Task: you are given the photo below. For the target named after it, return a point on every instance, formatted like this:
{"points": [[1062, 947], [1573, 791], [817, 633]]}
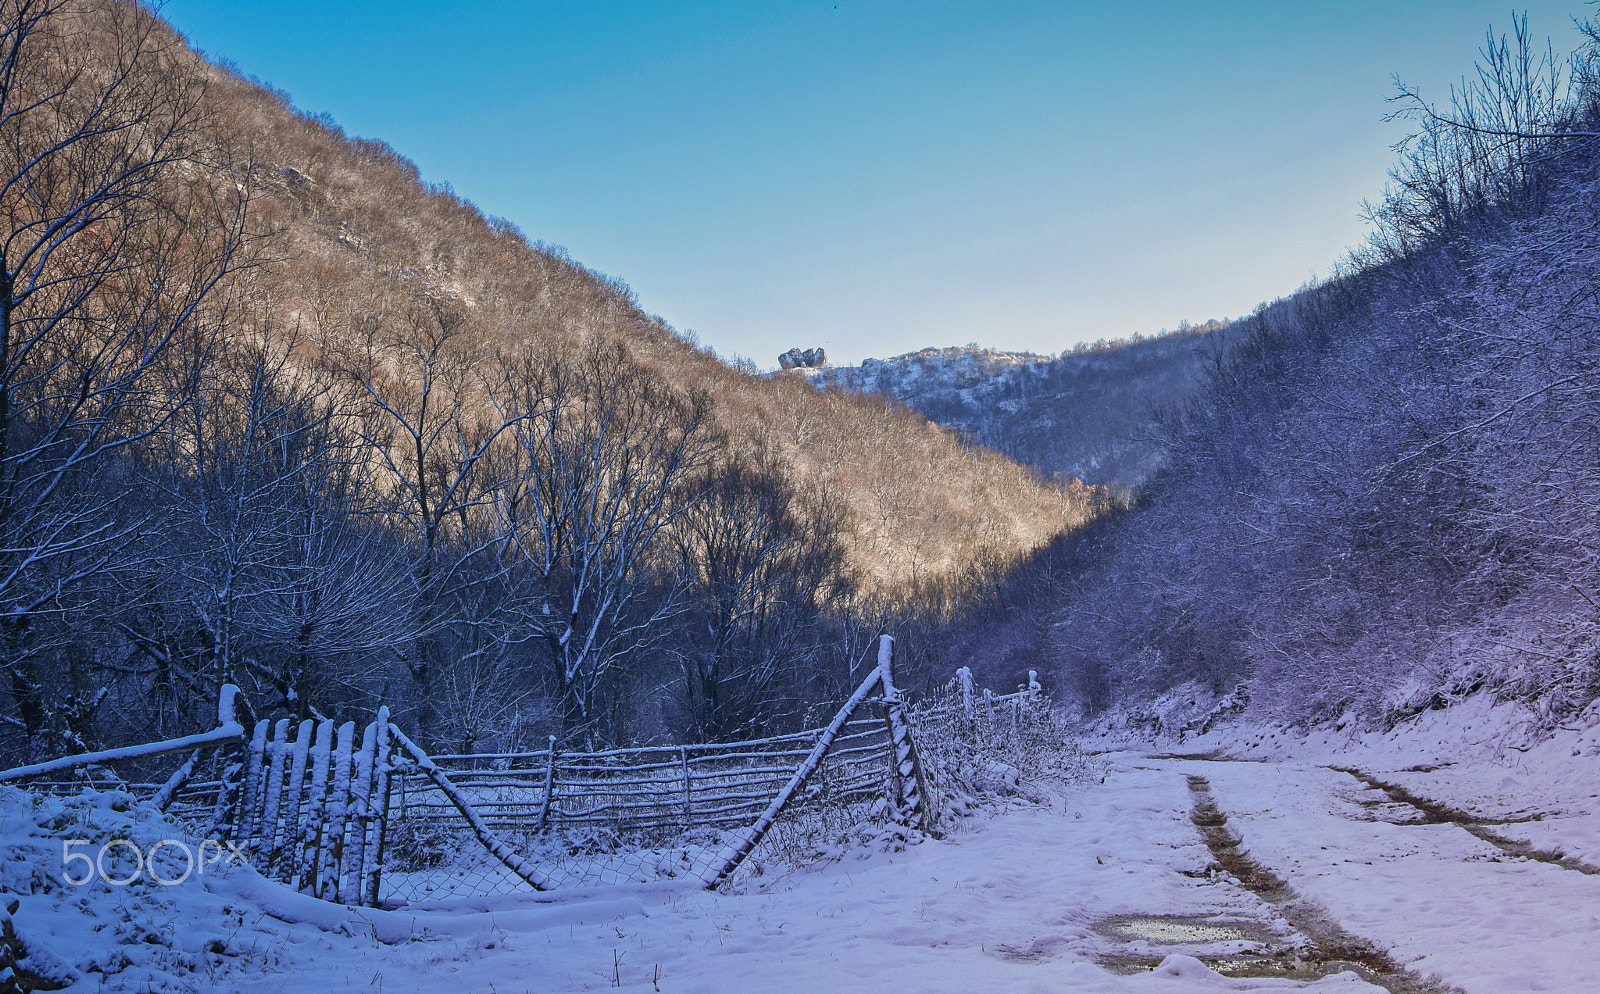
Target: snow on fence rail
{"points": [[640, 814], [227, 732], [374, 820]]}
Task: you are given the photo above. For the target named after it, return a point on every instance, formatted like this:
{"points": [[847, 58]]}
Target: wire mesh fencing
{"points": [[977, 744], [623, 815], [677, 812]]}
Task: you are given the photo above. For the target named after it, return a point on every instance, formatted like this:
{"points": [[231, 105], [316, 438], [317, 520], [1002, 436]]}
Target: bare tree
{"points": [[436, 432], [108, 254], [1491, 147], [765, 568], [605, 448]]}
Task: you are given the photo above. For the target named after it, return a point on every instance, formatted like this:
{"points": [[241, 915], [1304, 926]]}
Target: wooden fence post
{"points": [[293, 797], [311, 820], [907, 786], [382, 784], [277, 760], [247, 825], [330, 854], [549, 786], [688, 790], [348, 880], [964, 678]]}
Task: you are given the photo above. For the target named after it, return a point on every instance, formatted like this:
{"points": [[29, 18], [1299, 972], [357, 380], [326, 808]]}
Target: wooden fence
{"points": [[317, 806], [312, 805]]}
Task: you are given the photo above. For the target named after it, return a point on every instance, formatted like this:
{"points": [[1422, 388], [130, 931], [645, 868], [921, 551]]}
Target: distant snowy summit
{"points": [[953, 368]]}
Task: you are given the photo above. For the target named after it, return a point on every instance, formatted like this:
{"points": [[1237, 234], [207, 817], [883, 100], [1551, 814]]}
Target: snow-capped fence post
{"points": [[330, 850], [230, 764], [964, 679], [382, 787], [347, 880], [294, 801], [311, 822], [274, 756], [1035, 688], [907, 786], [246, 825]]}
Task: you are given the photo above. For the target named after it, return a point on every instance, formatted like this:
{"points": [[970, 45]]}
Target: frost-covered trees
{"points": [[101, 272], [1383, 497], [604, 450]]}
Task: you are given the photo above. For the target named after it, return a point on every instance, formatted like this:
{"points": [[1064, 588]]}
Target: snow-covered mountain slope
{"points": [[1088, 413]]}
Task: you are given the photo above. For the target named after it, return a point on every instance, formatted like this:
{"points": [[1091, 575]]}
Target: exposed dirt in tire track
{"points": [[1435, 813], [1330, 943]]}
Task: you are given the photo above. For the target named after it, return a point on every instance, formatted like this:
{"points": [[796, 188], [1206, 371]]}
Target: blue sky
{"points": [[878, 177]]}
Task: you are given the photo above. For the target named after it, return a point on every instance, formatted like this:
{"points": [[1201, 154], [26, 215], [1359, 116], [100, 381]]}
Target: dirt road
{"points": [[1425, 893]]}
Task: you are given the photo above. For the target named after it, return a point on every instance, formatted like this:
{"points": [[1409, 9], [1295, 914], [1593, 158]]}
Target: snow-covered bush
{"points": [[1006, 749], [138, 935]]}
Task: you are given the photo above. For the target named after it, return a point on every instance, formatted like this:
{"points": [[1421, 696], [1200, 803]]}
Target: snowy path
{"points": [[1028, 901], [1439, 898]]}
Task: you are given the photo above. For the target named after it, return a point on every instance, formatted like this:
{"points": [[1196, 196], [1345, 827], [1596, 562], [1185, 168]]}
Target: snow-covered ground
{"points": [[1110, 887]]}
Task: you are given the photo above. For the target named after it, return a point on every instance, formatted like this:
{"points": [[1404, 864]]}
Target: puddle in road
{"points": [[1179, 930], [1258, 950], [1327, 948]]}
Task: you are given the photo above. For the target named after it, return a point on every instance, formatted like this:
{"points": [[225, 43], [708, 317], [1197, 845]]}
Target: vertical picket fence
{"points": [[313, 803]]}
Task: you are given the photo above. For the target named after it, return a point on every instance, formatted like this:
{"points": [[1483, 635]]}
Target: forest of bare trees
{"points": [[274, 413]]}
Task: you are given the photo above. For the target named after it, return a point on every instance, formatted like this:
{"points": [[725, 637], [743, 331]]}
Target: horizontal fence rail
{"points": [[676, 788]]}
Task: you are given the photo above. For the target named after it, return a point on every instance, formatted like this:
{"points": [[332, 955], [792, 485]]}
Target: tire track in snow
{"points": [[1330, 943], [1435, 813]]}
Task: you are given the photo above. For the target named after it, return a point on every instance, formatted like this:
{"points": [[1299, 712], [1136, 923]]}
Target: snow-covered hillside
{"points": [[1087, 413]]}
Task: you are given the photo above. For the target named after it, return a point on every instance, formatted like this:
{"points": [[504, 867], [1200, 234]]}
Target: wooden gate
{"points": [[311, 805]]}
